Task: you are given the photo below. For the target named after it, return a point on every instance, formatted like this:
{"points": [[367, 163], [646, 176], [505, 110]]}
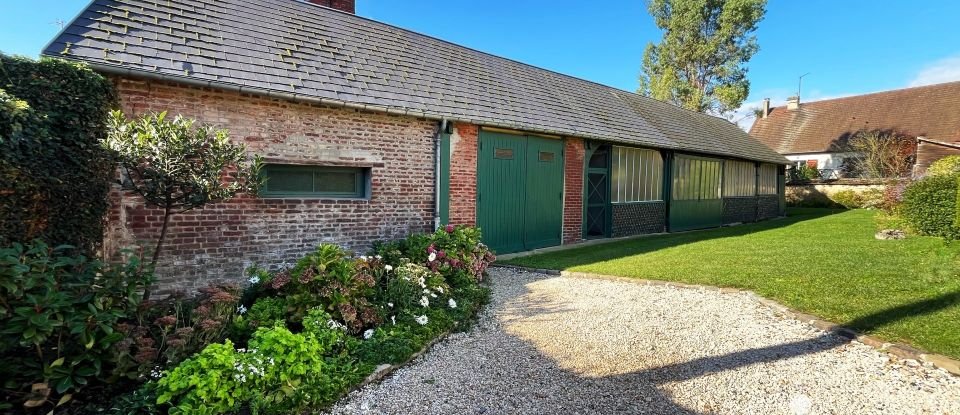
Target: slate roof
{"points": [[317, 53], [931, 111]]}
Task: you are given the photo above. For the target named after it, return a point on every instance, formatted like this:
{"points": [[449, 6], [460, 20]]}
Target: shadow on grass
{"points": [[614, 250]]}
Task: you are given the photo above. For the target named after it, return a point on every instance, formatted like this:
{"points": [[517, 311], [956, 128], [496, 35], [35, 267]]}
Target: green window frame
{"points": [[320, 182]]}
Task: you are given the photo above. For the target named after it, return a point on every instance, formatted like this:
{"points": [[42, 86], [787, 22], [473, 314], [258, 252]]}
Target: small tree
{"points": [[177, 165], [881, 154]]}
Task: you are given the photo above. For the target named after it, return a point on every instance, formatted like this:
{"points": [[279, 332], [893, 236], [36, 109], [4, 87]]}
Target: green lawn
{"points": [[818, 261]]}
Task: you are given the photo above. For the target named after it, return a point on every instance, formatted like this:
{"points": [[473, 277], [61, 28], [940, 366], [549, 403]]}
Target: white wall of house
{"points": [[828, 161]]}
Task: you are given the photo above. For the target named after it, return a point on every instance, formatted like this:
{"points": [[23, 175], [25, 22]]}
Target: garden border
{"points": [[898, 350]]}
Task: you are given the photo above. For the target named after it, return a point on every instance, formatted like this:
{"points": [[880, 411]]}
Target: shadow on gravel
{"points": [[827, 341], [640, 392]]}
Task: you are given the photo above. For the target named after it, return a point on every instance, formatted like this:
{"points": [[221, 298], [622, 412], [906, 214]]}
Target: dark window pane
{"points": [[546, 156], [503, 153], [599, 159], [336, 182], [288, 180]]}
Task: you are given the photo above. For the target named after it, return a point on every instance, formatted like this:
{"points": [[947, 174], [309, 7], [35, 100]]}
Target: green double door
{"points": [[695, 201], [520, 191]]}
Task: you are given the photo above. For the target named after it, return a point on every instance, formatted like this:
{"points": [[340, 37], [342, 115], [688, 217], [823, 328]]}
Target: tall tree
{"points": [[700, 62]]}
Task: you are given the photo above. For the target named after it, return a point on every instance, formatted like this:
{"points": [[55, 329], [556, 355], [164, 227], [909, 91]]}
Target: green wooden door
{"points": [[501, 186], [695, 197], [520, 191], [544, 193]]}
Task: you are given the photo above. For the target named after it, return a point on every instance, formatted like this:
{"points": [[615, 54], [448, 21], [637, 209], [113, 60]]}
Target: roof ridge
{"points": [[888, 91]]}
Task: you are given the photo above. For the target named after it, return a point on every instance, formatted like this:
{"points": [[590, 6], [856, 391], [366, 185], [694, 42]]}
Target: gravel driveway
{"points": [[550, 344]]}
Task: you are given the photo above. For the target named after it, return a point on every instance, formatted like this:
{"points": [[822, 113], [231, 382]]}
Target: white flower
{"points": [[333, 324], [388, 267], [241, 309], [426, 291], [424, 301], [378, 257], [440, 290], [393, 319], [254, 279], [363, 257], [390, 305], [432, 295], [422, 282], [452, 303], [156, 373], [368, 334], [423, 320], [432, 257]]}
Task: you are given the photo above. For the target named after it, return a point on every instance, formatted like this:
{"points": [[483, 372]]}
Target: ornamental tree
{"points": [[179, 164], [700, 62]]}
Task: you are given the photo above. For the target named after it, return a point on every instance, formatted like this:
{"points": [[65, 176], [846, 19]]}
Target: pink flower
{"points": [[450, 228]]}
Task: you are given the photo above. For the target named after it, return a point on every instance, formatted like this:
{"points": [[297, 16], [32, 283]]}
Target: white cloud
{"points": [[943, 70]]}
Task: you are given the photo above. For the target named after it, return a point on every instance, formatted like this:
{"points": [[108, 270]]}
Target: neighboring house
{"points": [[372, 132], [816, 133]]}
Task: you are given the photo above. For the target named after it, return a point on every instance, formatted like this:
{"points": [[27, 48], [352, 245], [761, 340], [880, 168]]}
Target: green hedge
{"points": [[930, 206], [54, 175]]}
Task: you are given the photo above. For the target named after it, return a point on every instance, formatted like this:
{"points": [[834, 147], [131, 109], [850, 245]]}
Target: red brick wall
{"points": [[573, 190], [348, 6], [219, 241], [463, 174]]}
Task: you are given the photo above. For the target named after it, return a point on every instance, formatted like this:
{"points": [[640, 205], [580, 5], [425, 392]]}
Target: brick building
{"points": [[372, 132]]}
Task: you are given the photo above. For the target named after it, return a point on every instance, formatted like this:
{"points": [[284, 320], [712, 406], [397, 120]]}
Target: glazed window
{"points": [[739, 178], [637, 175], [293, 181], [768, 179]]}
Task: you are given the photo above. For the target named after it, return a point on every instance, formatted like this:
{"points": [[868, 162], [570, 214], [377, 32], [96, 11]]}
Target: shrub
{"points": [[930, 206], [329, 279], [166, 332], [280, 372], [54, 176], [58, 319], [882, 154], [949, 165]]}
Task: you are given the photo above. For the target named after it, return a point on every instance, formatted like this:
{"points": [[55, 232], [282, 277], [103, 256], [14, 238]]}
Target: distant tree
{"points": [[882, 154], [700, 62], [177, 166]]}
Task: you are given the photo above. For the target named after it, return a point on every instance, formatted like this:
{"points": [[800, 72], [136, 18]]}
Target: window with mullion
{"points": [[313, 181]]}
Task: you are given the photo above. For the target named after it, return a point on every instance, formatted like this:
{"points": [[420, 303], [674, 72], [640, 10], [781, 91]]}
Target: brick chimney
{"points": [[348, 6]]}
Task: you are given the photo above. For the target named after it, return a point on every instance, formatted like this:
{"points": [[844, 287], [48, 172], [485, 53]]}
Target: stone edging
{"points": [[899, 350]]}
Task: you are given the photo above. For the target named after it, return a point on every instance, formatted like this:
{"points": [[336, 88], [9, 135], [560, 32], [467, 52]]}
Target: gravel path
{"points": [[550, 344]]}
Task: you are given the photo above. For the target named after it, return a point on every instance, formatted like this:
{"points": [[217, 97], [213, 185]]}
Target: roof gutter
{"points": [[269, 93], [939, 143]]}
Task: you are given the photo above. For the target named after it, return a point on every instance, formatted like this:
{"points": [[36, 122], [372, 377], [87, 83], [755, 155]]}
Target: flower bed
{"points": [[296, 338]]}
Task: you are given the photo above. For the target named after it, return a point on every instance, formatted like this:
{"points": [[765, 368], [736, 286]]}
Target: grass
{"points": [[819, 261]]}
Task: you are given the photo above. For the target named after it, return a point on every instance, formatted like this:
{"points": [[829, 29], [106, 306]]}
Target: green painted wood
{"points": [[695, 201], [598, 212], [520, 185], [501, 183], [543, 204], [445, 157]]}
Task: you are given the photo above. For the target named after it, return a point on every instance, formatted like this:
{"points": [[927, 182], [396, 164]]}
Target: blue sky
{"points": [[848, 47]]}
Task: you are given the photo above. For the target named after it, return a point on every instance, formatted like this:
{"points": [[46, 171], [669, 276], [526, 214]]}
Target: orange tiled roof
{"points": [[825, 126]]}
